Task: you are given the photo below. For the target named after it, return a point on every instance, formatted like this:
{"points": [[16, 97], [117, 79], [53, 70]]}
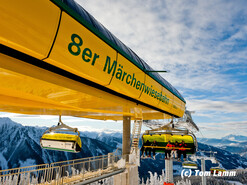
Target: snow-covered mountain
{"points": [[232, 143], [110, 137], [225, 158], [237, 138], [19, 146]]}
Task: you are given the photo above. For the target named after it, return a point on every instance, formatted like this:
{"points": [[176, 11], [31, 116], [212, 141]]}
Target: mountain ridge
{"points": [[19, 144], [232, 143]]}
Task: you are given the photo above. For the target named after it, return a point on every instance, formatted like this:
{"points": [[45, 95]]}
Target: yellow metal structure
{"points": [[29, 26], [51, 63], [87, 56]]}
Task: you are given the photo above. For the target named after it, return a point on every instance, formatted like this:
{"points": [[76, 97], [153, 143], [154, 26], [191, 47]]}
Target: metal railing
{"points": [[23, 169], [49, 175], [60, 163], [63, 172], [83, 170]]}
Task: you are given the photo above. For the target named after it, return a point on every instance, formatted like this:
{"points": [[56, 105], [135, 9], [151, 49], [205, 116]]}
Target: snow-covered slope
{"points": [[232, 143]]}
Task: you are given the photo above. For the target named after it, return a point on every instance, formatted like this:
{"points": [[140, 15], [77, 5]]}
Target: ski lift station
{"points": [[57, 59]]}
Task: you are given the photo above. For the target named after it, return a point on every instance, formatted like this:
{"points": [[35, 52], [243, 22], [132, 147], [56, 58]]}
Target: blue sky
{"points": [[202, 43]]}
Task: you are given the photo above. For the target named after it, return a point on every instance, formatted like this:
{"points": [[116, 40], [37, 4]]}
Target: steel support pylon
{"points": [[169, 171], [126, 137], [204, 182]]}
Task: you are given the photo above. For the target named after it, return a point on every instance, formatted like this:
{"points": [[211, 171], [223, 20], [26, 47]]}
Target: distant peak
{"points": [[233, 137], [6, 120]]}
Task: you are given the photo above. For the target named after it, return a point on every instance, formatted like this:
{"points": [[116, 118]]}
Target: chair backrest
{"points": [[162, 140]]}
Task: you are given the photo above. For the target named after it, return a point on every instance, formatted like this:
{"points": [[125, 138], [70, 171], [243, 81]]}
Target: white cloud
{"points": [[220, 129], [198, 41], [219, 106], [189, 38], [93, 129], [26, 116]]}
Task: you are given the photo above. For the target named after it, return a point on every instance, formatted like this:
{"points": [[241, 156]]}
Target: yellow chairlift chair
{"points": [[61, 138], [189, 165]]}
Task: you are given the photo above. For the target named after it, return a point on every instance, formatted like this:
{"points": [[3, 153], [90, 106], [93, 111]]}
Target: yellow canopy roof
{"points": [[51, 63]]}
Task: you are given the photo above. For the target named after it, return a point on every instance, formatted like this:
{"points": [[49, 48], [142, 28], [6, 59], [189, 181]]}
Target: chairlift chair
{"points": [[216, 170], [189, 165], [61, 138], [168, 133]]}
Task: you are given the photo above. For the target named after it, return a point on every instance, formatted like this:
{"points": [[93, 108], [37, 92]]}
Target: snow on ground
{"points": [[28, 162], [235, 182], [234, 144], [121, 163], [3, 162], [99, 151]]}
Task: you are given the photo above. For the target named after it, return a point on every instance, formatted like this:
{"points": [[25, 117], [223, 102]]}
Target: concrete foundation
{"points": [[129, 177]]}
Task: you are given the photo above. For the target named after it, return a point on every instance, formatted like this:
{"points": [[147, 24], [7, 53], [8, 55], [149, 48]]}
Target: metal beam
{"points": [[101, 177], [165, 71]]}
